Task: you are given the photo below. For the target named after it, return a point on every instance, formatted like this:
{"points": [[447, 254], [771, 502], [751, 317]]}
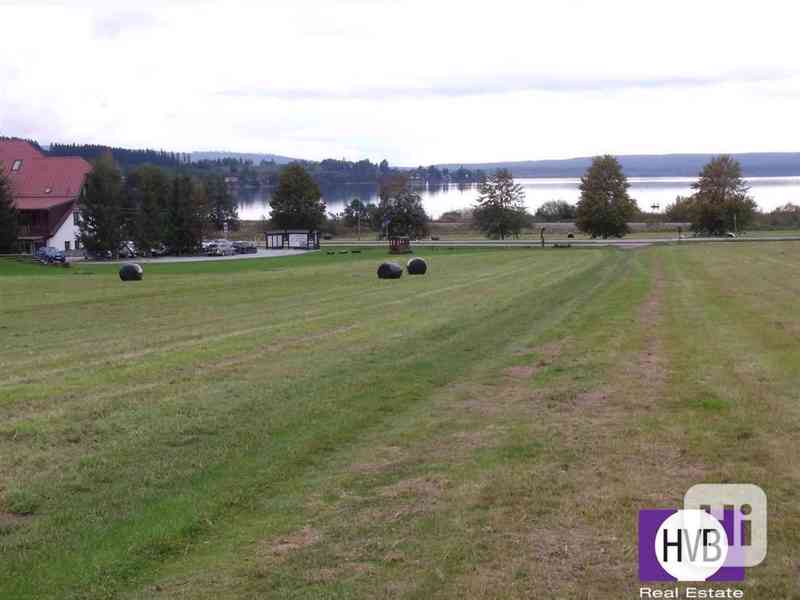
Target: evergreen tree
{"points": [[297, 203], [221, 204], [187, 213], [101, 209], [605, 207], [8, 216], [720, 202], [149, 194], [500, 209]]}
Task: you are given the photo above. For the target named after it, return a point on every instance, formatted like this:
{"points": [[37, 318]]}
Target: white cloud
{"points": [[112, 25], [414, 81]]}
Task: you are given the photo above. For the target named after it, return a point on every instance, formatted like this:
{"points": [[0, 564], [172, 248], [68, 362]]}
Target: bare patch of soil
{"points": [[391, 458], [420, 487], [592, 398], [521, 371], [341, 571], [650, 363], [472, 440], [487, 406], [10, 521], [293, 542]]}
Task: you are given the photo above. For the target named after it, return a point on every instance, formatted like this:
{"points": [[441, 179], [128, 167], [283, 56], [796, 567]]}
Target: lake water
{"points": [[768, 192]]}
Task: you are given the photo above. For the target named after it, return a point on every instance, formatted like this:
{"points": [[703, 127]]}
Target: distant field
{"points": [[253, 230], [296, 428]]}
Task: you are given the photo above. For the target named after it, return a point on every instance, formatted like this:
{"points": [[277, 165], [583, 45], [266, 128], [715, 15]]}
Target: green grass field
{"points": [[297, 428]]}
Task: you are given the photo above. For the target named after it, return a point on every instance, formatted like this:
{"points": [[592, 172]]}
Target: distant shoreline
{"points": [[754, 164]]}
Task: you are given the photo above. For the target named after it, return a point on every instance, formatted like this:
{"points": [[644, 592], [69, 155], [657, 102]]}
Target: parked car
{"points": [[49, 255], [159, 250], [209, 247], [221, 248], [128, 250], [99, 255], [245, 247]]}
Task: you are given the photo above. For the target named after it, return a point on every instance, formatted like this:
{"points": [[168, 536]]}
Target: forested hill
{"points": [[130, 158], [255, 158], [126, 157], [760, 164]]}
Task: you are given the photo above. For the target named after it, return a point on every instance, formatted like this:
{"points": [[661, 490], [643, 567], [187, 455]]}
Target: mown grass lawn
{"points": [[296, 428]]}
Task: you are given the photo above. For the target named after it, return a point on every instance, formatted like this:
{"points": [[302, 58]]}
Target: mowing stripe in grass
{"points": [[253, 453]]}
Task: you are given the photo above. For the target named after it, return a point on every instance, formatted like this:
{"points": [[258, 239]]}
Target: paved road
{"points": [[262, 253], [623, 243], [631, 242]]}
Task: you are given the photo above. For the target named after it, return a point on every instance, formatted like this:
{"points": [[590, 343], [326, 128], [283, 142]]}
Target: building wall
{"points": [[68, 232], [298, 240]]}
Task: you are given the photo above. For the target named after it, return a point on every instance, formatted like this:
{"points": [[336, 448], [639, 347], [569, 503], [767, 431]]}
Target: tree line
{"points": [[154, 207], [127, 159], [433, 175], [720, 203], [297, 202], [250, 175], [156, 210]]}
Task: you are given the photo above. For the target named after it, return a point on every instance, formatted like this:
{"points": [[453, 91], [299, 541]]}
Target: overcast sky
{"points": [[412, 81]]}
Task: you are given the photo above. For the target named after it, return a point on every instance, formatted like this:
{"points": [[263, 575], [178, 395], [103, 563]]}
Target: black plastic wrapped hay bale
{"points": [[131, 272], [390, 270], [417, 266]]}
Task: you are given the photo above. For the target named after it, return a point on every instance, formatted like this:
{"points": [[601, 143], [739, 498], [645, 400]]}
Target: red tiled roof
{"points": [[41, 182], [40, 203]]}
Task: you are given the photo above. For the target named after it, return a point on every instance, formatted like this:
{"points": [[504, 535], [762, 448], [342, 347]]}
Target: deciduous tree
{"points": [[720, 202], [680, 211], [400, 211], [355, 213], [555, 210], [297, 202], [500, 210], [605, 207]]}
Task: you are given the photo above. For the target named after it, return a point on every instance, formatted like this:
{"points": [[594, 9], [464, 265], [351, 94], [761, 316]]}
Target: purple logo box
{"points": [[649, 567]]}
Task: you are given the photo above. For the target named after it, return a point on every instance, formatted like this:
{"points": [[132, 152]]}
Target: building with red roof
{"points": [[46, 190]]}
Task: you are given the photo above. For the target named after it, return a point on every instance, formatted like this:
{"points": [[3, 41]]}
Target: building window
{"points": [[77, 244], [17, 165], [76, 220], [66, 246]]}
